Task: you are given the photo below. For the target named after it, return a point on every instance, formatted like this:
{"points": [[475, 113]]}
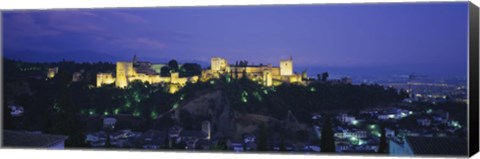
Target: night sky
{"points": [[351, 39]]}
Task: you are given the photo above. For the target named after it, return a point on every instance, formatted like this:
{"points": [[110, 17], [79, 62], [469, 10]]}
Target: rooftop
{"points": [[29, 139]]}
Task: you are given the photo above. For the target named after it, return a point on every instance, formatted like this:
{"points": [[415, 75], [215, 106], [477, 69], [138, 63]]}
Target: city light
{"points": [[257, 95], [429, 111], [136, 113], [154, 115], [128, 104], [91, 112], [244, 100], [116, 111], [354, 139], [175, 106], [354, 122]]}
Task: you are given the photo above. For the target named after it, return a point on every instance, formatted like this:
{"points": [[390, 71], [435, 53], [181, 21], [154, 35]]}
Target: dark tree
{"points": [[166, 142], [262, 138], [108, 143], [324, 76], [165, 71], [190, 69], [8, 119], [221, 144], [383, 147], [186, 119], [282, 147], [173, 64], [180, 146], [302, 135], [64, 120], [244, 74], [327, 142]]}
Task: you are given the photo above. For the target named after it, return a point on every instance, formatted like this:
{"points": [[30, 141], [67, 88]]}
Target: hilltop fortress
{"points": [[263, 74], [144, 71]]}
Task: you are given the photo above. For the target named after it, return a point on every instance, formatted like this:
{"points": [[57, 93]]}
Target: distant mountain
{"points": [[77, 56]]}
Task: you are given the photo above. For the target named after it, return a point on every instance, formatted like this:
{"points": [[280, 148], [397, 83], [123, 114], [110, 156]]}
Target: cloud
{"points": [[23, 25], [127, 17], [136, 43], [36, 24]]}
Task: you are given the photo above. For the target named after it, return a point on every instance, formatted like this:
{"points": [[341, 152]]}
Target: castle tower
{"points": [[286, 67], [267, 78], [124, 70], [218, 64]]}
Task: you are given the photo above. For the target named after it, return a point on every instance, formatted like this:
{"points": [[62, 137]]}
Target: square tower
{"points": [[267, 78], [286, 67], [218, 64], [124, 69]]}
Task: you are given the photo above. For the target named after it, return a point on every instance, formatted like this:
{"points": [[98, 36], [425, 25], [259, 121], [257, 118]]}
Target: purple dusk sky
{"points": [[404, 38]]}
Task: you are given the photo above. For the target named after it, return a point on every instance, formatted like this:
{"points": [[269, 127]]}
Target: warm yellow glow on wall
{"points": [[173, 88], [265, 74], [267, 78], [286, 67], [104, 78], [219, 64], [52, 72], [124, 69]]}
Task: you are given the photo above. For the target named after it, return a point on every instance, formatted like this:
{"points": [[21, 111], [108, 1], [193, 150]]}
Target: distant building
{"points": [[143, 71], [190, 138], [96, 139], [424, 122], [346, 80], [105, 79], [206, 129], [109, 123], [127, 133], [286, 67], [439, 146], [390, 133], [52, 72], [345, 118], [248, 138], [77, 76], [16, 110], [18, 139], [153, 139], [174, 131]]}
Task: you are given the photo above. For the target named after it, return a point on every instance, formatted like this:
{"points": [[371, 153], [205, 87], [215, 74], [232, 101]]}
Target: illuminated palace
{"points": [[263, 74], [266, 75]]}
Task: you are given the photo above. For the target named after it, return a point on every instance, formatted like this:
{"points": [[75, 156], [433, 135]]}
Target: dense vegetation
{"points": [[247, 96]]}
